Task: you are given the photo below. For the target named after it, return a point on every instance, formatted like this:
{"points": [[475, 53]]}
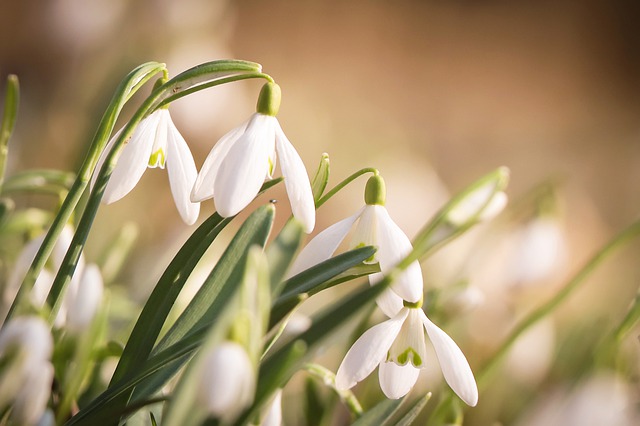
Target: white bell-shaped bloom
{"points": [[373, 227], [26, 346], [82, 296], [227, 381], [156, 142], [244, 158], [482, 204], [398, 346]]}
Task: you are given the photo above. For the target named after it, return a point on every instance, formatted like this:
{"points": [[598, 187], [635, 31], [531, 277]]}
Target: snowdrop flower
{"points": [[239, 163], [25, 379], [83, 294], [376, 228], [156, 142], [482, 204], [398, 347], [227, 382]]}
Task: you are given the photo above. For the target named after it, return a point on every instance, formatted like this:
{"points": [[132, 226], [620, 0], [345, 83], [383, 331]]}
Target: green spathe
{"points": [[375, 193], [269, 99]]}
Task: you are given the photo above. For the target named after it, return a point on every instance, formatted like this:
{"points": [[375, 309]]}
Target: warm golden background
{"points": [[433, 93]]}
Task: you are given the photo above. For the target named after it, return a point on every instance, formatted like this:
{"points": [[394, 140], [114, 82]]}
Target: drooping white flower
{"points": [[239, 163], [227, 381], [374, 227], [26, 373], [482, 204], [398, 347], [82, 296], [156, 142]]}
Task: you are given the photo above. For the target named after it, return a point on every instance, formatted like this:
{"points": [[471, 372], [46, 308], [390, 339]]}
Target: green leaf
{"points": [[315, 279], [45, 181], [380, 414], [278, 368], [411, 415], [321, 178], [11, 102], [189, 330], [281, 252]]}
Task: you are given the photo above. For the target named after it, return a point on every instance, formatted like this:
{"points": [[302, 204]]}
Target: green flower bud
{"points": [[375, 192], [269, 99]]}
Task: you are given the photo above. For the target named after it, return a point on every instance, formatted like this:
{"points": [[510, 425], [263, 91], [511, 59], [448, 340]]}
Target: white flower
{"points": [[26, 374], [274, 414], [82, 296], [483, 204], [398, 347], [156, 142], [227, 381], [374, 228], [239, 163]]}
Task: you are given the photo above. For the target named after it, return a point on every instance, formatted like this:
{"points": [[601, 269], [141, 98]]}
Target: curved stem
{"points": [[329, 379], [212, 74], [344, 183], [125, 90], [538, 314]]}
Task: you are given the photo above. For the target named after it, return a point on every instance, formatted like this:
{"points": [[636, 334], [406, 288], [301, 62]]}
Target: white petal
{"points": [[323, 245], [31, 400], [296, 181], [20, 269], [30, 335], [203, 187], [274, 415], [133, 160], [388, 301], [394, 246], [365, 233], [453, 363], [41, 288], [245, 168], [160, 140], [83, 304], [368, 351], [182, 175], [227, 381], [397, 380]]}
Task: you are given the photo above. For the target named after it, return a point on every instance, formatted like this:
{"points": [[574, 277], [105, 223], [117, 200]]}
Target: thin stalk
{"points": [[544, 310], [11, 101], [344, 183], [329, 379], [125, 90], [150, 104]]}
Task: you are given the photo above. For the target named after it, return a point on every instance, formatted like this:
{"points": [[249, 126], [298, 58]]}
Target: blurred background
{"points": [[432, 93]]}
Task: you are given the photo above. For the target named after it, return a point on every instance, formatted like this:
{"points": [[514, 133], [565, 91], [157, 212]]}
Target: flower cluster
{"points": [[397, 345], [232, 173]]}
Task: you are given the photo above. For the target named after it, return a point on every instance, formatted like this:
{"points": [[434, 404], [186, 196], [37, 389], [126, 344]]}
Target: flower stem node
{"points": [[159, 82], [413, 305], [375, 193], [269, 100]]}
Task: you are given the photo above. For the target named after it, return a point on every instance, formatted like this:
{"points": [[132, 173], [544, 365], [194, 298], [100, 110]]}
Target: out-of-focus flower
{"points": [[540, 247], [83, 294], [26, 373], [156, 142], [375, 228], [398, 347], [274, 413], [239, 163], [483, 203], [227, 381]]}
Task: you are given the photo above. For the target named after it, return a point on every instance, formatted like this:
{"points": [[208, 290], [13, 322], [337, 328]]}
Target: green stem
{"points": [[329, 379], [344, 183], [134, 80], [217, 71], [544, 310], [11, 101]]}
